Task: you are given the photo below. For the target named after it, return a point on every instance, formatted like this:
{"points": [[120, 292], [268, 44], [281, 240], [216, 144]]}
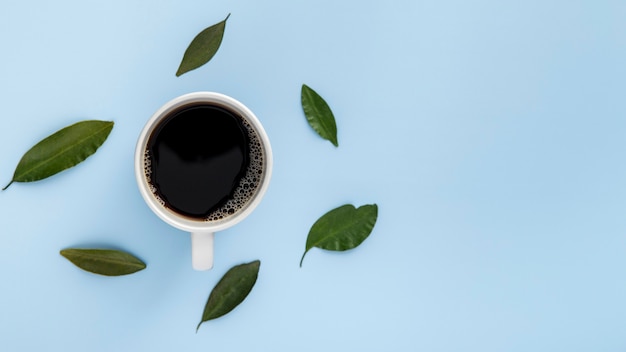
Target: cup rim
{"points": [[180, 221]]}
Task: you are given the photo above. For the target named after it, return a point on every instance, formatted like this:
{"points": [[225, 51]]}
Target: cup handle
{"points": [[202, 250]]}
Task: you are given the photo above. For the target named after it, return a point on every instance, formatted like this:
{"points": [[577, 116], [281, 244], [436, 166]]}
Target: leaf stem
{"points": [[301, 260], [7, 186]]}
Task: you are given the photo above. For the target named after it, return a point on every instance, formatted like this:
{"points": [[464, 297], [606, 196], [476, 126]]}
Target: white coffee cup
{"points": [[202, 231]]}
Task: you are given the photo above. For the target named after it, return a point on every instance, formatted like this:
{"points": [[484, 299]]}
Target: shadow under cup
{"points": [[203, 163]]}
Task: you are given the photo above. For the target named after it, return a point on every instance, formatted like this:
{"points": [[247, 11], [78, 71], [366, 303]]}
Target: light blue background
{"points": [[490, 134]]}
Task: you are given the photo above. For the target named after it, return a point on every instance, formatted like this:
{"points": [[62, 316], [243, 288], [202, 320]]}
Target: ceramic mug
{"points": [[191, 173]]}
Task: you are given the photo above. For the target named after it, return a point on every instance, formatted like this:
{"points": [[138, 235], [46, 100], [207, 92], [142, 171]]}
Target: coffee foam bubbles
{"points": [[245, 191]]}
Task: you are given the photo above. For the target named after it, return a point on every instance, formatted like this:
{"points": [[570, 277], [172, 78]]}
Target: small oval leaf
{"points": [[342, 228], [106, 262], [202, 48], [61, 150], [319, 115], [230, 291]]}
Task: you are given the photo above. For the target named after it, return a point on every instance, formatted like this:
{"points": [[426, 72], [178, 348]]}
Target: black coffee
{"points": [[204, 162]]}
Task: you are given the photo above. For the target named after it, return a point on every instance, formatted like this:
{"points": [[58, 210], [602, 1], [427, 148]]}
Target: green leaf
{"points": [[342, 228], [202, 48], [107, 262], [230, 291], [319, 115], [61, 150]]}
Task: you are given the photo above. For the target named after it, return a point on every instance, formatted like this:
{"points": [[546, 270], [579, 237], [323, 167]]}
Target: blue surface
{"points": [[490, 133]]}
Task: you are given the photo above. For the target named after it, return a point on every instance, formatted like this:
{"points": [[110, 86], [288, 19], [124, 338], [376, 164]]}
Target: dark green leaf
{"points": [[202, 48], [61, 150], [230, 291], [319, 115], [107, 262], [342, 228]]}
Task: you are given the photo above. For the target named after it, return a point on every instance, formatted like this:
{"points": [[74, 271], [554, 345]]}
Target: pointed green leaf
{"points": [[61, 150], [230, 291], [107, 262], [202, 48], [319, 115], [342, 228]]}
